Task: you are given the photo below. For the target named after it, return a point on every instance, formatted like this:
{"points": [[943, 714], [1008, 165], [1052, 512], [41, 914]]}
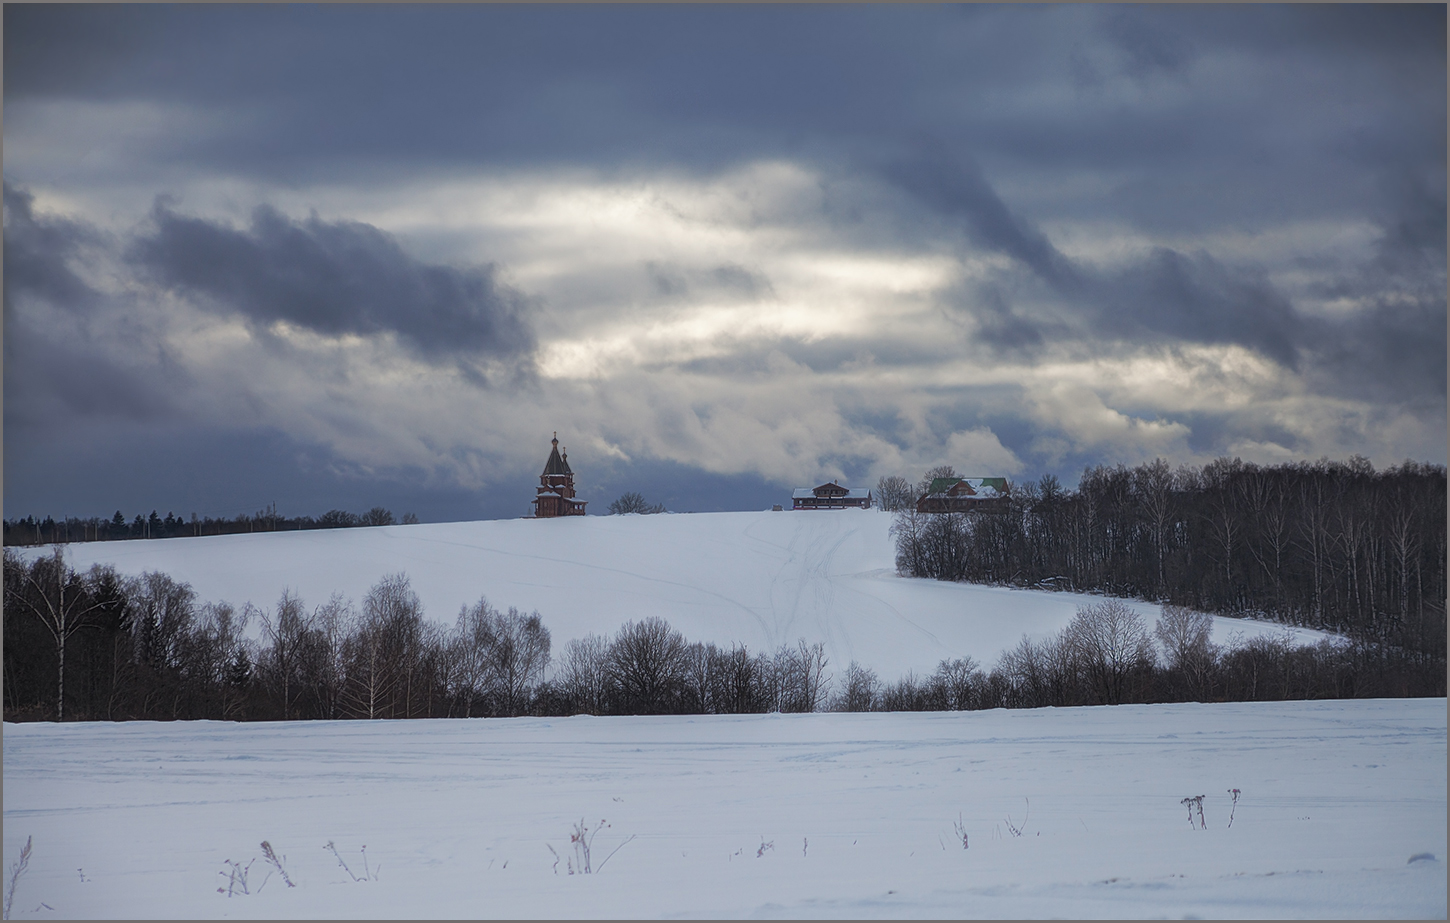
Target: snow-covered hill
{"points": [[761, 579]]}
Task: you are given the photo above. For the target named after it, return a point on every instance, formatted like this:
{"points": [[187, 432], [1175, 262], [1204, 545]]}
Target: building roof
{"points": [[557, 464], [985, 488]]}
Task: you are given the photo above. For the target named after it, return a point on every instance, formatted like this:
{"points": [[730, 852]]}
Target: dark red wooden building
{"points": [[830, 496], [964, 495], [556, 487]]}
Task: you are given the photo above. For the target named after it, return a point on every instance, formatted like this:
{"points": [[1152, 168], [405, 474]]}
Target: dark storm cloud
{"points": [[1198, 299], [1391, 32], [1393, 353], [1001, 328], [1151, 48], [958, 191], [78, 49], [217, 471], [56, 373], [53, 382], [336, 278], [38, 253], [1163, 295], [1414, 229], [703, 87]]}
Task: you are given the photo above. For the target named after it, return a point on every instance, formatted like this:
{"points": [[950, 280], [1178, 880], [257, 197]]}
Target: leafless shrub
{"points": [[631, 502], [271, 857], [17, 868], [582, 839], [764, 847], [236, 876], [1195, 801], [368, 873]]}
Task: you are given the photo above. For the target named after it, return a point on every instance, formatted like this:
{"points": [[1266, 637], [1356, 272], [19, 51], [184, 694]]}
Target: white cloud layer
{"points": [[721, 322]]}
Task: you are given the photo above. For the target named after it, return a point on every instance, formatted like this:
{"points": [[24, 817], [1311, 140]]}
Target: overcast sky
{"points": [[338, 257]]}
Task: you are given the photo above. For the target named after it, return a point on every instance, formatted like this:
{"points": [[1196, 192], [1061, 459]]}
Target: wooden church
{"points": [[556, 487]]}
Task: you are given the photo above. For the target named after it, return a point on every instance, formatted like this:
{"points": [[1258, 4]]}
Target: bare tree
{"points": [[860, 690], [631, 502], [799, 679], [1184, 637], [369, 685], [893, 492], [1112, 644], [909, 529], [1153, 488], [392, 624], [646, 666], [504, 653], [321, 659], [221, 632], [287, 631], [377, 516], [584, 672], [57, 596], [956, 682], [163, 614]]}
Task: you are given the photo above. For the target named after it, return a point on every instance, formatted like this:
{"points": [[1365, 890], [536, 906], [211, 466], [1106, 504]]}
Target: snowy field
{"points": [[761, 579], [825, 815]]}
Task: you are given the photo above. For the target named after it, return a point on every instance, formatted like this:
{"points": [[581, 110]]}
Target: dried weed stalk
{"points": [[16, 870]]}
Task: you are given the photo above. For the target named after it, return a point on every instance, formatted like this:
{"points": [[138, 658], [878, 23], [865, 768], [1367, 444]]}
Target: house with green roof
{"points": [[965, 495]]}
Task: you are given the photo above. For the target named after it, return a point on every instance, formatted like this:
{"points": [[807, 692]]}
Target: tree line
{"points": [[100, 646], [95, 645], [48, 531], [632, 502], [1330, 545]]}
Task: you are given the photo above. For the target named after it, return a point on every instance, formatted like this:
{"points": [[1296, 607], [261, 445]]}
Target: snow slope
{"points": [[1342, 814], [761, 579]]}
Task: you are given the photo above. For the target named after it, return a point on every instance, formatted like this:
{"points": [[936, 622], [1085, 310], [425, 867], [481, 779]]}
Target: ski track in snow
{"points": [[851, 815], [761, 579]]}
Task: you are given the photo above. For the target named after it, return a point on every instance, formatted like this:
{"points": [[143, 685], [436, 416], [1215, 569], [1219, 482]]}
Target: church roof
{"points": [[557, 464]]}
